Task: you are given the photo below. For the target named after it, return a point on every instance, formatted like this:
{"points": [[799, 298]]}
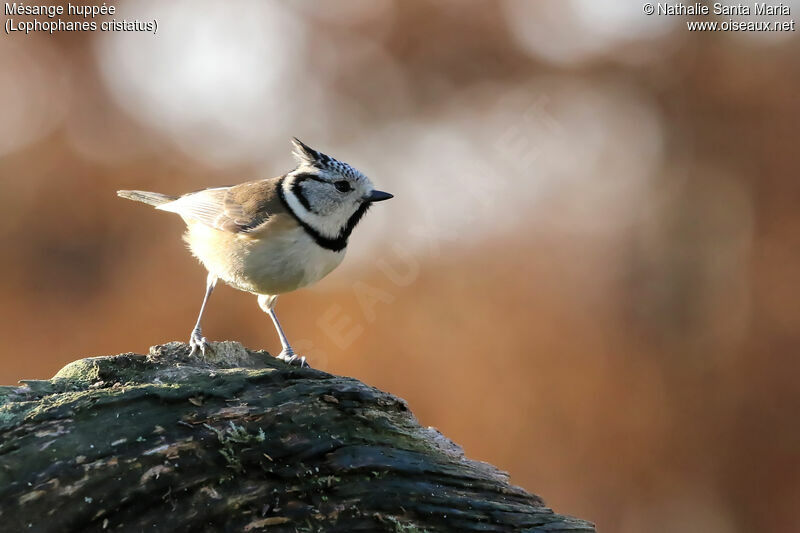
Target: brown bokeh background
{"points": [[588, 276]]}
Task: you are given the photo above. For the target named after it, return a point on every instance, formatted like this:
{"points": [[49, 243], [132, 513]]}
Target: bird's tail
{"points": [[151, 198]]}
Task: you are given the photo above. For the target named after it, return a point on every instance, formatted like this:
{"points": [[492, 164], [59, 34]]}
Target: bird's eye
{"points": [[342, 186]]}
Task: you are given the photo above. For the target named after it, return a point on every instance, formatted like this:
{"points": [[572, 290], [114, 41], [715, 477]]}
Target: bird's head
{"points": [[328, 195]]}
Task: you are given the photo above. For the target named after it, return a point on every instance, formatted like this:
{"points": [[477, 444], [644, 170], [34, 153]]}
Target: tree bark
{"points": [[237, 441]]}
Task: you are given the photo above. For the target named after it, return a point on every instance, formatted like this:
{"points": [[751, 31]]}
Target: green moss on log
{"points": [[237, 441]]}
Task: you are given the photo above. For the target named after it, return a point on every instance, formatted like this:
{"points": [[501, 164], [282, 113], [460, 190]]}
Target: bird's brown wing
{"points": [[238, 209]]}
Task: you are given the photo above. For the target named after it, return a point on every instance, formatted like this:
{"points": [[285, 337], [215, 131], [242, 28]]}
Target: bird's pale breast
{"points": [[279, 258]]}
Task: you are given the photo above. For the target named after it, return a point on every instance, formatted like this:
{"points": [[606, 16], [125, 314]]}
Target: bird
{"points": [[271, 236]]}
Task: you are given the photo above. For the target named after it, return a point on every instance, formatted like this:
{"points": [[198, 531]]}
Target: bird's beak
{"points": [[378, 196]]}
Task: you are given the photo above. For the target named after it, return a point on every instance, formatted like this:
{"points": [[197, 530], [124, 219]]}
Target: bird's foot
{"points": [[288, 356], [197, 342]]}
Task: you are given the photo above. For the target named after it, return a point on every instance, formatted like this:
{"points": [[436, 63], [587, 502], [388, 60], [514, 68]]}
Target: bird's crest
{"points": [[307, 156]]}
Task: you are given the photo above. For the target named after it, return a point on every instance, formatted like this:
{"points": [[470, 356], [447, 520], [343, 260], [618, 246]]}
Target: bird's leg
{"points": [[196, 339], [267, 304]]}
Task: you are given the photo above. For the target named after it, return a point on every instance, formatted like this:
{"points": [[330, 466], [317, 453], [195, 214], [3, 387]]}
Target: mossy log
{"points": [[237, 441]]}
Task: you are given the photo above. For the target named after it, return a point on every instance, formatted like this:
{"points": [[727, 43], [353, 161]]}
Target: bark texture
{"points": [[237, 441]]}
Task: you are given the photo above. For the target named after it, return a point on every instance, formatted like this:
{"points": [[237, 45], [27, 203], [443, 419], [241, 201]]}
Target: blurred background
{"points": [[588, 276]]}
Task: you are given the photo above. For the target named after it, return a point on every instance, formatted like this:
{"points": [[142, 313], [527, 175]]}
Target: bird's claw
{"points": [[291, 358], [198, 343]]}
